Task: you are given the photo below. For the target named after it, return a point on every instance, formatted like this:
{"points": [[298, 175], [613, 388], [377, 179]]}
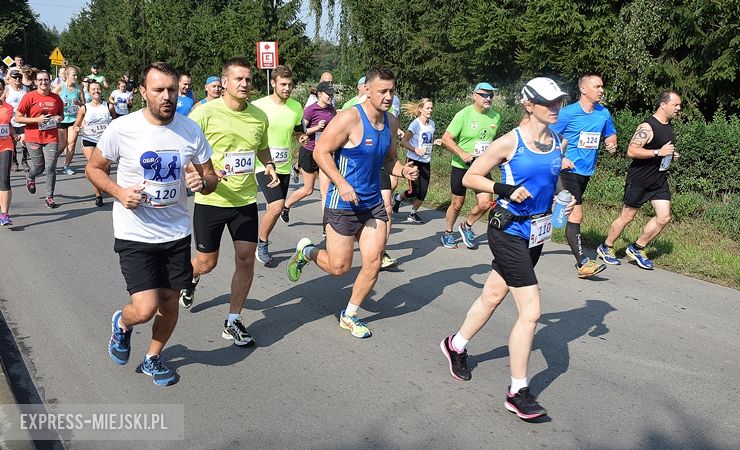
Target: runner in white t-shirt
{"points": [[418, 141], [14, 92], [121, 100], [150, 217]]}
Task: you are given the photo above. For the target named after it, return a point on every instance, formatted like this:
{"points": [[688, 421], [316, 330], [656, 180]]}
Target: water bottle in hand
{"points": [[558, 215]]}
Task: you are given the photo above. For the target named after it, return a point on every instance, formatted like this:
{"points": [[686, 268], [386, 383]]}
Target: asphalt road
{"points": [[632, 359]]}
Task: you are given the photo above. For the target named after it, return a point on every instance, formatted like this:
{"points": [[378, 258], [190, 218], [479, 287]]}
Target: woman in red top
{"points": [[41, 110], [7, 145]]}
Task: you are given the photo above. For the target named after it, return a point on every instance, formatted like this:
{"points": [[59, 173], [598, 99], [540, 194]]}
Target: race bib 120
{"points": [[161, 194]]}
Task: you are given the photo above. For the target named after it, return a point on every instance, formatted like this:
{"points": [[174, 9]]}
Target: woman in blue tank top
{"points": [[530, 158]]}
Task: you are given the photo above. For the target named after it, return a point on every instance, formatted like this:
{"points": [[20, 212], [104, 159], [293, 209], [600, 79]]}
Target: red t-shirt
{"points": [[35, 104], [6, 113]]}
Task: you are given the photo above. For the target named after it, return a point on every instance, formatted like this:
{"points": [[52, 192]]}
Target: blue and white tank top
{"points": [[538, 173], [360, 166]]}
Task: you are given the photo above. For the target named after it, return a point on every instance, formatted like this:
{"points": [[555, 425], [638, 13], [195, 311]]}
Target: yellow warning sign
{"points": [[8, 61], [56, 57]]}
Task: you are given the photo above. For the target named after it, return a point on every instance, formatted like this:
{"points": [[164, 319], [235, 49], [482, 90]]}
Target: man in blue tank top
{"points": [[652, 149], [584, 124], [353, 147], [185, 100]]}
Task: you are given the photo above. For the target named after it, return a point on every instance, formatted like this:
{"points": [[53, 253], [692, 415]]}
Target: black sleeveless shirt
{"points": [[645, 172]]}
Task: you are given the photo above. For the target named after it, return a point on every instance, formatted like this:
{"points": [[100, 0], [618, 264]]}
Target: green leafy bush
{"points": [[725, 214]]}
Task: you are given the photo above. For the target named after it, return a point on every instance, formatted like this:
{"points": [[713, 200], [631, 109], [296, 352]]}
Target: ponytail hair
{"points": [[414, 109]]}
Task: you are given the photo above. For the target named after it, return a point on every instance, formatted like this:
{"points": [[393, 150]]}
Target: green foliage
{"points": [[687, 205], [725, 215], [641, 47], [22, 34], [196, 36]]}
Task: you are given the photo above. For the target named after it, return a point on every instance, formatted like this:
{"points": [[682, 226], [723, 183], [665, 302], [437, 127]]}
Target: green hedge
{"points": [[705, 180], [710, 151]]}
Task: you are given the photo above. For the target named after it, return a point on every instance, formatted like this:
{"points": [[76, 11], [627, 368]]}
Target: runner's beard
{"points": [[161, 115]]}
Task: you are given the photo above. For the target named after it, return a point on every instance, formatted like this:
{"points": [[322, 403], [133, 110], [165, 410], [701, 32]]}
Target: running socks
{"points": [[459, 343], [638, 246], [573, 234], [307, 251], [351, 309], [232, 318], [518, 383]]}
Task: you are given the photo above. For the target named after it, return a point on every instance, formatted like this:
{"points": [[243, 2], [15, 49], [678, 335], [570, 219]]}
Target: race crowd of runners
{"points": [[225, 147]]}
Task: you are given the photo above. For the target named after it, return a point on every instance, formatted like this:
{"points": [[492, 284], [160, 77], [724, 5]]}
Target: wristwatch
{"points": [[656, 152]]}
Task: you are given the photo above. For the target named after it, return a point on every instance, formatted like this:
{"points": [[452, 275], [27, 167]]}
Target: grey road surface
{"points": [[631, 359]]}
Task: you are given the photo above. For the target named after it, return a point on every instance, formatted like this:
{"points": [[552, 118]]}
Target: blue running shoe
{"points": [[607, 254], [161, 374], [467, 235], [119, 346], [640, 257], [448, 240]]}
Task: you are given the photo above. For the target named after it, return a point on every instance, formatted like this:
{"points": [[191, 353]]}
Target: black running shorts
{"points": [[419, 187], [636, 196], [385, 180], [512, 258], [456, 183], [148, 266], [279, 192], [573, 183], [306, 161], [350, 222], [209, 222]]}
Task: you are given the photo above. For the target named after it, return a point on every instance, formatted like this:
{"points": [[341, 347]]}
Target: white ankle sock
{"points": [[232, 318], [518, 383], [414, 210], [459, 343], [351, 309]]}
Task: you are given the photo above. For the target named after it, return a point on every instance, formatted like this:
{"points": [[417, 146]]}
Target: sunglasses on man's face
{"points": [[485, 95]]}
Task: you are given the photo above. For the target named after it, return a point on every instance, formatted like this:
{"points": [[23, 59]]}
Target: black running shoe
{"points": [[396, 204], [187, 295], [285, 215], [524, 404], [458, 361]]}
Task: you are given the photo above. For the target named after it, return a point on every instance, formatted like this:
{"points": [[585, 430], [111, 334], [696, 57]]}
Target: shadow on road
{"points": [[560, 328], [178, 355], [409, 297]]}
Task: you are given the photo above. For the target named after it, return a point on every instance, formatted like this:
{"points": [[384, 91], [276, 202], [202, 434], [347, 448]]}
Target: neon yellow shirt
{"points": [[283, 118], [472, 131], [232, 135]]}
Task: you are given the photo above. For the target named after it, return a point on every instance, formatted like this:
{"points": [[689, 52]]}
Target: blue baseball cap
{"points": [[212, 78], [484, 87], [361, 81]]}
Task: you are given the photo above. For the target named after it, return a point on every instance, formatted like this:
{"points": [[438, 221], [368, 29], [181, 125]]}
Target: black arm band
{"points": [[504, 190], [298, 129]]}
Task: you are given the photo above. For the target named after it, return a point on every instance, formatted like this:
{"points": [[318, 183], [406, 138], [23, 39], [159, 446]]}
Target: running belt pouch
{"points": [[500, 217]]}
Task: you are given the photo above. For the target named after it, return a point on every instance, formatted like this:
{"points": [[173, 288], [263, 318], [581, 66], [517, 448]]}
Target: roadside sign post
{"points": [[8, 61], [57, 59], [267, 58]]}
